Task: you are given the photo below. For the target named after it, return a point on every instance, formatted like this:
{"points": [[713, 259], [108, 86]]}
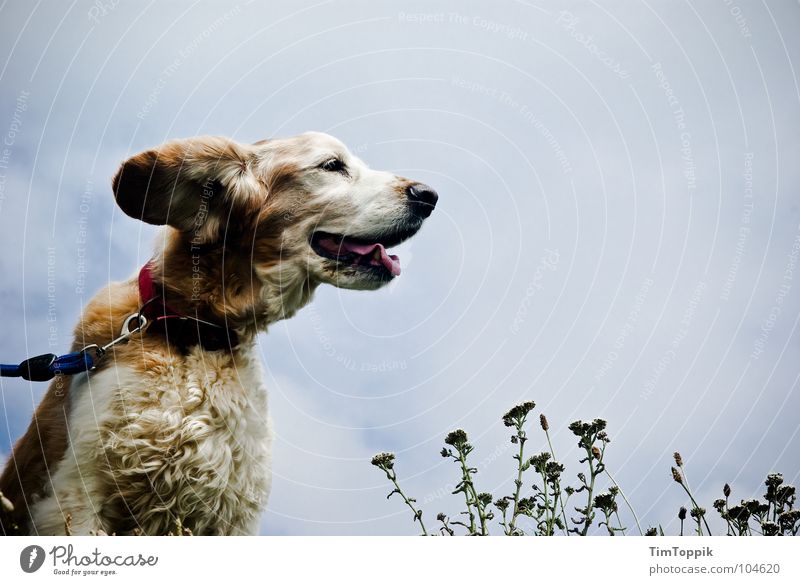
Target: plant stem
{"points": [[390, 473], [547, 512], [512, 525], [619, 521], [626, 502], [727, 518], [469, 491], [504, 522], [558, 495], [694, 503], [564, 502], [590, 490], [608, 523], [685, 485]]}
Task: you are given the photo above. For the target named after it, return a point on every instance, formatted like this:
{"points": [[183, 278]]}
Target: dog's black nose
{"points": [[422, 199]]}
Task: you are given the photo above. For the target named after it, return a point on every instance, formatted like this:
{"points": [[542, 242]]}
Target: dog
{"points": [[171, 431]]}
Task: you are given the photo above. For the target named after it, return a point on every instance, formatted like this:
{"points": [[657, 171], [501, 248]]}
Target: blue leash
{"points": [[42, 368], [45, 367]]}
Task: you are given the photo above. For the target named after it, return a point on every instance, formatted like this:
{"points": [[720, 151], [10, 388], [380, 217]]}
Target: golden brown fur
{"points": [[159, 432]]}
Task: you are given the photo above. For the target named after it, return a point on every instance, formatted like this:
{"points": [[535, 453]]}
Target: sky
{"points": [[617, 233]]}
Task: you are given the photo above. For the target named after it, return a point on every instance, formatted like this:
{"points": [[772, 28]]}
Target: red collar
{"points": [[152, 306], [179, 329]]}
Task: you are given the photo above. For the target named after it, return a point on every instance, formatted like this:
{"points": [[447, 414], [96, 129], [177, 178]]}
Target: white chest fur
{"points": [[165, 439]]}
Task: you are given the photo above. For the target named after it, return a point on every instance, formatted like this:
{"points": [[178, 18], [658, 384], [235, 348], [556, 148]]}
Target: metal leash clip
{"points": [[95, 353]]}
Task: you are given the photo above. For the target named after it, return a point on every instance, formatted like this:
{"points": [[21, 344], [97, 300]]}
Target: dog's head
{"points": [[301, 210]]}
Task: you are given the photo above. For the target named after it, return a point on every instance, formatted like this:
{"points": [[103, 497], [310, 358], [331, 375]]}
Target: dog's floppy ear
{"points": [[187, 183]]}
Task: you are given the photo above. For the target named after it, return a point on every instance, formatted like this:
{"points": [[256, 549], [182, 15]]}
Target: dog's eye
{"points": [[333, 165]]}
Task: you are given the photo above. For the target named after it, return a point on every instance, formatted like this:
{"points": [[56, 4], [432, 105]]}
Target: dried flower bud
{"points": [[526, 506], [682, 514], [651, 532], [738, 513], [456, 438], [676, 475], [770, 528], [678, 459], [517, 414], [383, 460], [543, 422], [698, 512], [605, 501], [596, 452], [726, 490], [774, 480], [441, 517], [578, 427], [553, 470], [785, 493], [788, 519], [539, 462]]}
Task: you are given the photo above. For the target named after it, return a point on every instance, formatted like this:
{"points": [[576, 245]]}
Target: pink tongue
{"points": [[391, 262]]}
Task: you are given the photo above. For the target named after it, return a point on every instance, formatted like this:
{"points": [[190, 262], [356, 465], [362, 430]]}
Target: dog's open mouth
{"points": [[366, 253]]}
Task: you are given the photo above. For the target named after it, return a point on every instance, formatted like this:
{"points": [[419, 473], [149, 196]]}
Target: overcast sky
{"points": [[617, 233]]}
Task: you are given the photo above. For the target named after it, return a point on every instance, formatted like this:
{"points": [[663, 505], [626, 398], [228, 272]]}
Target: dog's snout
{"points": [[422, 199]]}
